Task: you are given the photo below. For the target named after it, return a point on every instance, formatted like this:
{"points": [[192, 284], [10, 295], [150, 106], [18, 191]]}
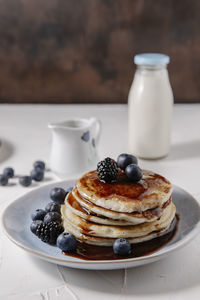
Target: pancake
{"points": [[131, 231], [99, 241], [77, 209], [151, 191], [131, 218]]}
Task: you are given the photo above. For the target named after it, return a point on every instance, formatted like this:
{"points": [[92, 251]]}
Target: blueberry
{"points": [[9, 172], [66, 242], [39, 164], [69, 189], [122, 247], [34, 225], [52, 206], [124, 160], [25, 180], [52, 216], [37, 174], [38, 214], [3, 179], [133, 172], [58, 195]]}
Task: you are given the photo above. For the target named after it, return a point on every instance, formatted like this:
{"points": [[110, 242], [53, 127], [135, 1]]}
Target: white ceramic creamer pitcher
{"points": [[73, 149]]}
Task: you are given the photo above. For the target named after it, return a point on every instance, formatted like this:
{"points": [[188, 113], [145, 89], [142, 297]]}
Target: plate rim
{"points": [[65, 260]]}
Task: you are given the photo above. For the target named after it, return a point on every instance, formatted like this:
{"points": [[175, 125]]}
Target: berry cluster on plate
{"points": [[47, 226], [108, 168], [47, 223]]}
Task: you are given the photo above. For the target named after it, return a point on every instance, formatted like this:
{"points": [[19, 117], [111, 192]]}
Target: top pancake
{"points": [[151, 191]]}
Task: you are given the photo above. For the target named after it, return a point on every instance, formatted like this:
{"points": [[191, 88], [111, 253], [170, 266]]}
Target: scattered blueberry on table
{"points": [[3, 179], [37, 174], [39, 164], [25, 180], [9, 172]]}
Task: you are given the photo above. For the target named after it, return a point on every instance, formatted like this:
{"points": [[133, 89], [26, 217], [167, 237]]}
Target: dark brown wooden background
{"points": [[55, 51]]}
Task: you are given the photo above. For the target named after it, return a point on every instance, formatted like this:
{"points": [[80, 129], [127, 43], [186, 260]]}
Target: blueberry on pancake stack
{"points": [[119, 201]]}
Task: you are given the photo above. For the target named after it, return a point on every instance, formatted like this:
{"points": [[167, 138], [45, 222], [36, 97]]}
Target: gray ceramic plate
{"points": [[16, 221]]}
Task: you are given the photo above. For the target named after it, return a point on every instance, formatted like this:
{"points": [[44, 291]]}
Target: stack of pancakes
{"points": [[97, 213]]}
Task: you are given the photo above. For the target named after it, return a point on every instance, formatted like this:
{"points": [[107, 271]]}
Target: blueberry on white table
{"points": [[39, 164], [3, 179], [25, 180], [9, 172], [37, 174]]}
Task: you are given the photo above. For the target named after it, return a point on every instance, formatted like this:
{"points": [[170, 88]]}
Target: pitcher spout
{"points": [[53, 125]]}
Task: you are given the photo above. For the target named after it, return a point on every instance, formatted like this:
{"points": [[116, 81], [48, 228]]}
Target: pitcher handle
{"points": [[97, 124]]}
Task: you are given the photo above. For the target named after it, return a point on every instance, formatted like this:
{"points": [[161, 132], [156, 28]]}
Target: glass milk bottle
{"points": [[150, 104]]}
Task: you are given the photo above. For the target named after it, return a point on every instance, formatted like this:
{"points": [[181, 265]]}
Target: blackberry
{"points": [[107, 170], [48, 232]]}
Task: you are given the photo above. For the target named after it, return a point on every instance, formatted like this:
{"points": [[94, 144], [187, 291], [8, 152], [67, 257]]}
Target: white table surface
{"points": [[23, 130]]}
